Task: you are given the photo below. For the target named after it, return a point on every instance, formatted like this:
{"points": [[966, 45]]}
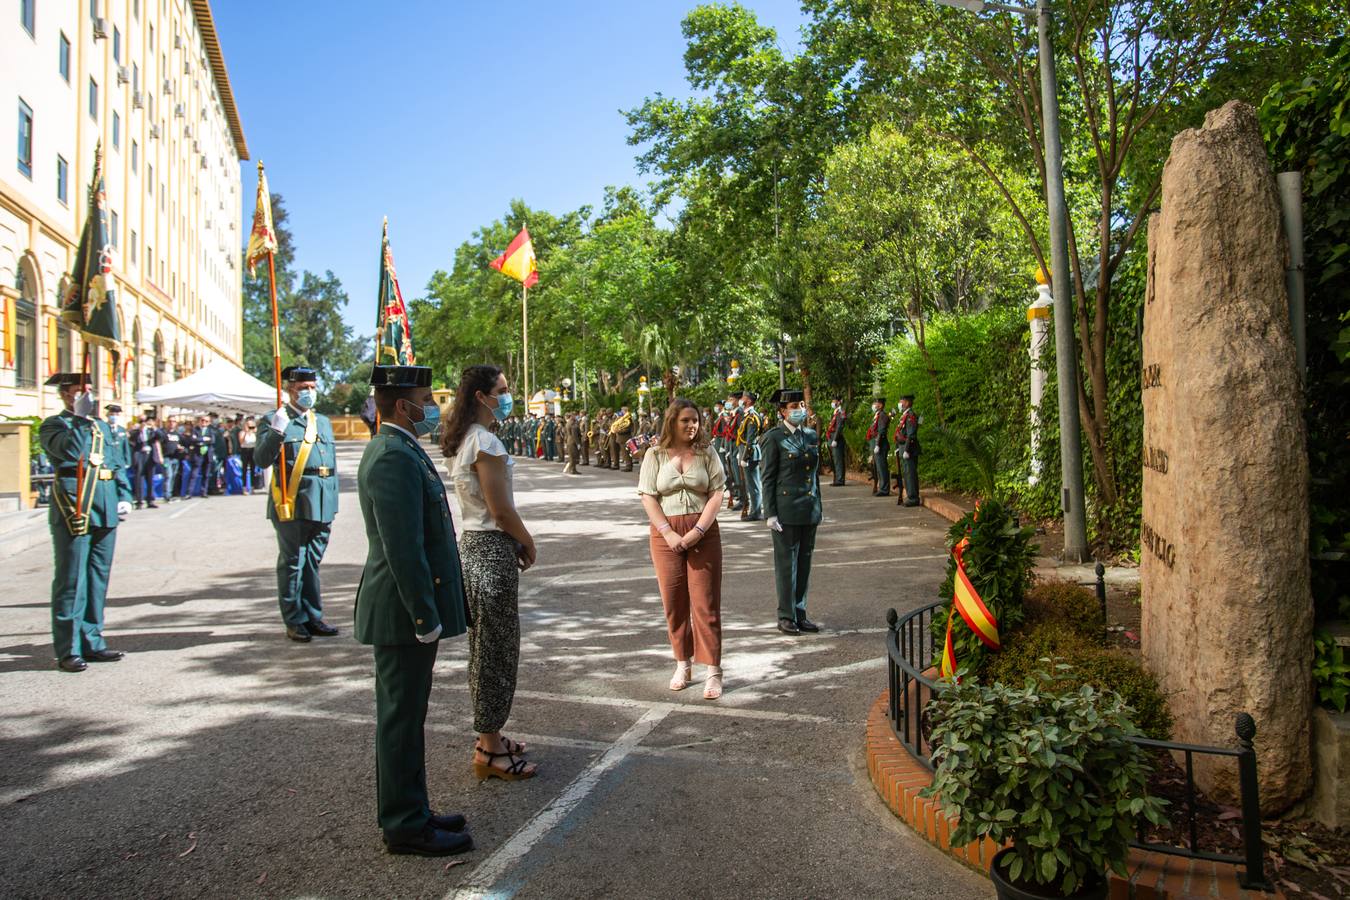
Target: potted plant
{"points": [[1051, 775]]}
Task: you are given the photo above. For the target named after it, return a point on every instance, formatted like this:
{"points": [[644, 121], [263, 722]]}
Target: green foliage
{"points": [[1052, 772], [1065, 602], [1307, 127], [1331, 672], [998, 562], [1030, 652]]}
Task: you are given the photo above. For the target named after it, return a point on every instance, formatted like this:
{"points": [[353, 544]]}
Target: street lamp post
{"points": [[1066, 349]]}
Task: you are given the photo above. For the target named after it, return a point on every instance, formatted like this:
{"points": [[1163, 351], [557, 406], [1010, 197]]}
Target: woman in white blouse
{"points": [[681, 484], [495, 547]]}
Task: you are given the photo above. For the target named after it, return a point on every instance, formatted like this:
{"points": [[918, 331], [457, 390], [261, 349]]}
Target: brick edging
{"points": [[898, 777]]}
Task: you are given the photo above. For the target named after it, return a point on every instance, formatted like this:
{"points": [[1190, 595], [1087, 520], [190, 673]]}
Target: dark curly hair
{"points": [[465, 410]]}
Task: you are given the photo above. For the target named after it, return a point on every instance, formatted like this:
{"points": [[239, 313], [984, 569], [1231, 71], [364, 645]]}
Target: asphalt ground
{"points": [[221, 760]]}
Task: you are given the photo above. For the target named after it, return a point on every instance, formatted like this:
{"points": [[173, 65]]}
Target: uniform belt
{"points": [[104, 473], [321, 471]]}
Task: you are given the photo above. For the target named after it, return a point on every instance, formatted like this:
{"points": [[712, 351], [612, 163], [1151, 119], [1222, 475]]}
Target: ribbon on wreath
{"points": [[966, 601]]}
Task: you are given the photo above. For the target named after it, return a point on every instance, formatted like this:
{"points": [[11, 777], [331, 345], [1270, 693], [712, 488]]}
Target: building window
{"points": [[117, 131], [28, 16], [135, 78], [25, 139], [150, 42], [25, 333], [136, 9], [63, 57], [93, 99], [93, 9], [135, 158], [150, 179], [117, 45], [132, 257], [113, 227], [62, 180]]}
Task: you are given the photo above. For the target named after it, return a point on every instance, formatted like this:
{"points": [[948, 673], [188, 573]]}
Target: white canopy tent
{"points": [[219, 386]]}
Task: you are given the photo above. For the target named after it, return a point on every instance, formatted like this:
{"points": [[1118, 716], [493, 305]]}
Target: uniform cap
{"points": [[752, 395], [61, 379], [401, 376], [881, 400], [738, 394], [299, 373], [909, 397], [787, 395], [112, 408]]}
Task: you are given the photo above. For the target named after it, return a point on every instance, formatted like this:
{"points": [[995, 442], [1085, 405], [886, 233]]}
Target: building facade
{"points": [[147, 80]]}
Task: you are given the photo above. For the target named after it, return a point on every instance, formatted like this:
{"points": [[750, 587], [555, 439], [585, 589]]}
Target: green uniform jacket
{"points": [[316, 500], [123, 442], [790, 474], [65, 438], [412, 580], [750, 451]]}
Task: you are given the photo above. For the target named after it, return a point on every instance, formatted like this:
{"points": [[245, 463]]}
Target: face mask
{"points": [[796, 416], [431, 417], [505, 403], [306, 398], [114, 419]]}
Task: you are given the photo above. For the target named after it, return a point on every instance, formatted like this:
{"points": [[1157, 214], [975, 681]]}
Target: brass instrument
{"points": [[621, 424]]}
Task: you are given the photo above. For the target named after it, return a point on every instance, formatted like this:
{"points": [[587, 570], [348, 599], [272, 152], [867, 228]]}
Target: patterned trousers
{"points": [[491, 581]]}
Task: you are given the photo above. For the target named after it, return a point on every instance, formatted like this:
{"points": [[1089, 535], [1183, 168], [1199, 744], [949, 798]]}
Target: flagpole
{"points": [[276, 359], [525, 331]]}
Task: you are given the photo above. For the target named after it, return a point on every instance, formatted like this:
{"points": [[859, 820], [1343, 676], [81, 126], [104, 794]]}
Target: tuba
{"points": [[621, 424]]}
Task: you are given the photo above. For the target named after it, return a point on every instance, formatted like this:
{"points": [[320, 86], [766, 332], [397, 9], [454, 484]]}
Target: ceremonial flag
{"points": [[393, 329], [262, 240], [518, 261], [90, 300]]}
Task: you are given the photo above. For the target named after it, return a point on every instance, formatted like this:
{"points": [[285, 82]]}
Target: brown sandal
{"points": [[517, 771], [515, 747]]}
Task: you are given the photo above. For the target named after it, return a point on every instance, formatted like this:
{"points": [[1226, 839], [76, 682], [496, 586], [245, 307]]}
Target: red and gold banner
{"points": [[518, 261]]}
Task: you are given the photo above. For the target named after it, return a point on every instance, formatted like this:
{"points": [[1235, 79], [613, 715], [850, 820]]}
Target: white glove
{"points": [[774, 523], [83, 405], [279, 419], [905, 454], [743, 463], [123, 509], [834, 443], [431, 636], [876, 451]]}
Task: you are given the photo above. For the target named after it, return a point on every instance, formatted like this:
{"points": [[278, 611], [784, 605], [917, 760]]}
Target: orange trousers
{"points": [[691, 591]]}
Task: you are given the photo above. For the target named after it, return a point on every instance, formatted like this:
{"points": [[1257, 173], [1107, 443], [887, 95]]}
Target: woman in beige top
{"points": [[681, 484]]}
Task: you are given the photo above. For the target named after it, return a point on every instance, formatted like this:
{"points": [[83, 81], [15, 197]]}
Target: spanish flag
{"points": [[518, 260]]}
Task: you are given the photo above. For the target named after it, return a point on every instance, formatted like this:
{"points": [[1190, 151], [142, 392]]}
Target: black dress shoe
{"points": [[152, 506], [430, 842], [320, 629], [298, 634], [72, 664], [913, 503], [104, 655], [452, 822], [805, 624], [787, 626], [754, 518]]}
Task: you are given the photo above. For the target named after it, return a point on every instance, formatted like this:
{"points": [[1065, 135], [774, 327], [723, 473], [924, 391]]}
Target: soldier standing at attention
{"points": [[877, 442], [301, 440], [834, 433], [573, 442], [619, 433], [907, 440], [791, 473], [411, 597], [550, 437], [113, 416], [734, 470], [747, 440], [90, 495]]}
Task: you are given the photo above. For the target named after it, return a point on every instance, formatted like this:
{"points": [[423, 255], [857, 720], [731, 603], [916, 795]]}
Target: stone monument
{"points": [[1227, 607]]}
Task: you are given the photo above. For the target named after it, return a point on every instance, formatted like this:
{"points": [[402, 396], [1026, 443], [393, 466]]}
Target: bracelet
{"points": [[700, 529], [663, 527]]}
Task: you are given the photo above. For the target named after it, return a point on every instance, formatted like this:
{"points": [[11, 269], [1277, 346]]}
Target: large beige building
{"points": [[148, 80]]}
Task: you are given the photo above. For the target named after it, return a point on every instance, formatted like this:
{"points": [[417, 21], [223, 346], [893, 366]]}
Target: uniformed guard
{"points": [[411, 597], [91, 492], [734, 473], [907, 442], [112, 414], [303, 517], [748, 454], [550, 434], [791, 476], [586, 426], [878, 442], [573, 442], [620, 430], [834, 433]]}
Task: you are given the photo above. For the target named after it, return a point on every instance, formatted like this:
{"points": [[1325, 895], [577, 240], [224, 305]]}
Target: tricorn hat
{"points": [[752, 395], [299, 373], [787, 395], [737, 394], [881, 400], [909, 397], [61, 379], [112, 408], [401, 376]]}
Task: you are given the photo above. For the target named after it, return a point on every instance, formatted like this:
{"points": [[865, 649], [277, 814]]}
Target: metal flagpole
{"points": [[525, 333], [276, 365]]}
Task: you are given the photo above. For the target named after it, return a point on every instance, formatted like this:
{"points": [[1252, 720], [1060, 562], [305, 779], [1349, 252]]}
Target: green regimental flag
{"points": [[393, 329], [90, 301]]}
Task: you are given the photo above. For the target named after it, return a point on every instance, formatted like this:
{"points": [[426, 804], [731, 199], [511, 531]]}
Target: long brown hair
{"points": [[465, 410], [672, 413]]}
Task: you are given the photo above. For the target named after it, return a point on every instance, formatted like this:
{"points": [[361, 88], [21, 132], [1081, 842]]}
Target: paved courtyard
{"points": [[221, 760]]}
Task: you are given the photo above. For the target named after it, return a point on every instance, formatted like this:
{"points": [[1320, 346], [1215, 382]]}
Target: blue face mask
{"points": [[505, 403], [306, 398], [431, 417], [797, 416]]}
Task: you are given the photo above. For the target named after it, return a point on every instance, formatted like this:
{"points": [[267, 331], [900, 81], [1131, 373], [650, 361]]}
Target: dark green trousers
{"points": [[792, 549], [910, 468], [837, 452], [402, 690], [79, 588], [300, 546]]}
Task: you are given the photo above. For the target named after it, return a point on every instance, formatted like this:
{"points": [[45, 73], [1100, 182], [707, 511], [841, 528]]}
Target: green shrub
{"points": [[1026, 657], [1064, 601], [1051, 771], [1331, 672]]}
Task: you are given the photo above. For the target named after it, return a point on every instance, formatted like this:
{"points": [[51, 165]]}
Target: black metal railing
{"points": [[912, 651]]}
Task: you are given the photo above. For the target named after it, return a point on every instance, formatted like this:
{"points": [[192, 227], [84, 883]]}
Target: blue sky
{"points": [[437, 114]]}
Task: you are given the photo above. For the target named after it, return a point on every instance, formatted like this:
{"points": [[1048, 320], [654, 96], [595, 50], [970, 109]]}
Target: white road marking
{"points": [[755, 691], [187, 507], [482, 883]]}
